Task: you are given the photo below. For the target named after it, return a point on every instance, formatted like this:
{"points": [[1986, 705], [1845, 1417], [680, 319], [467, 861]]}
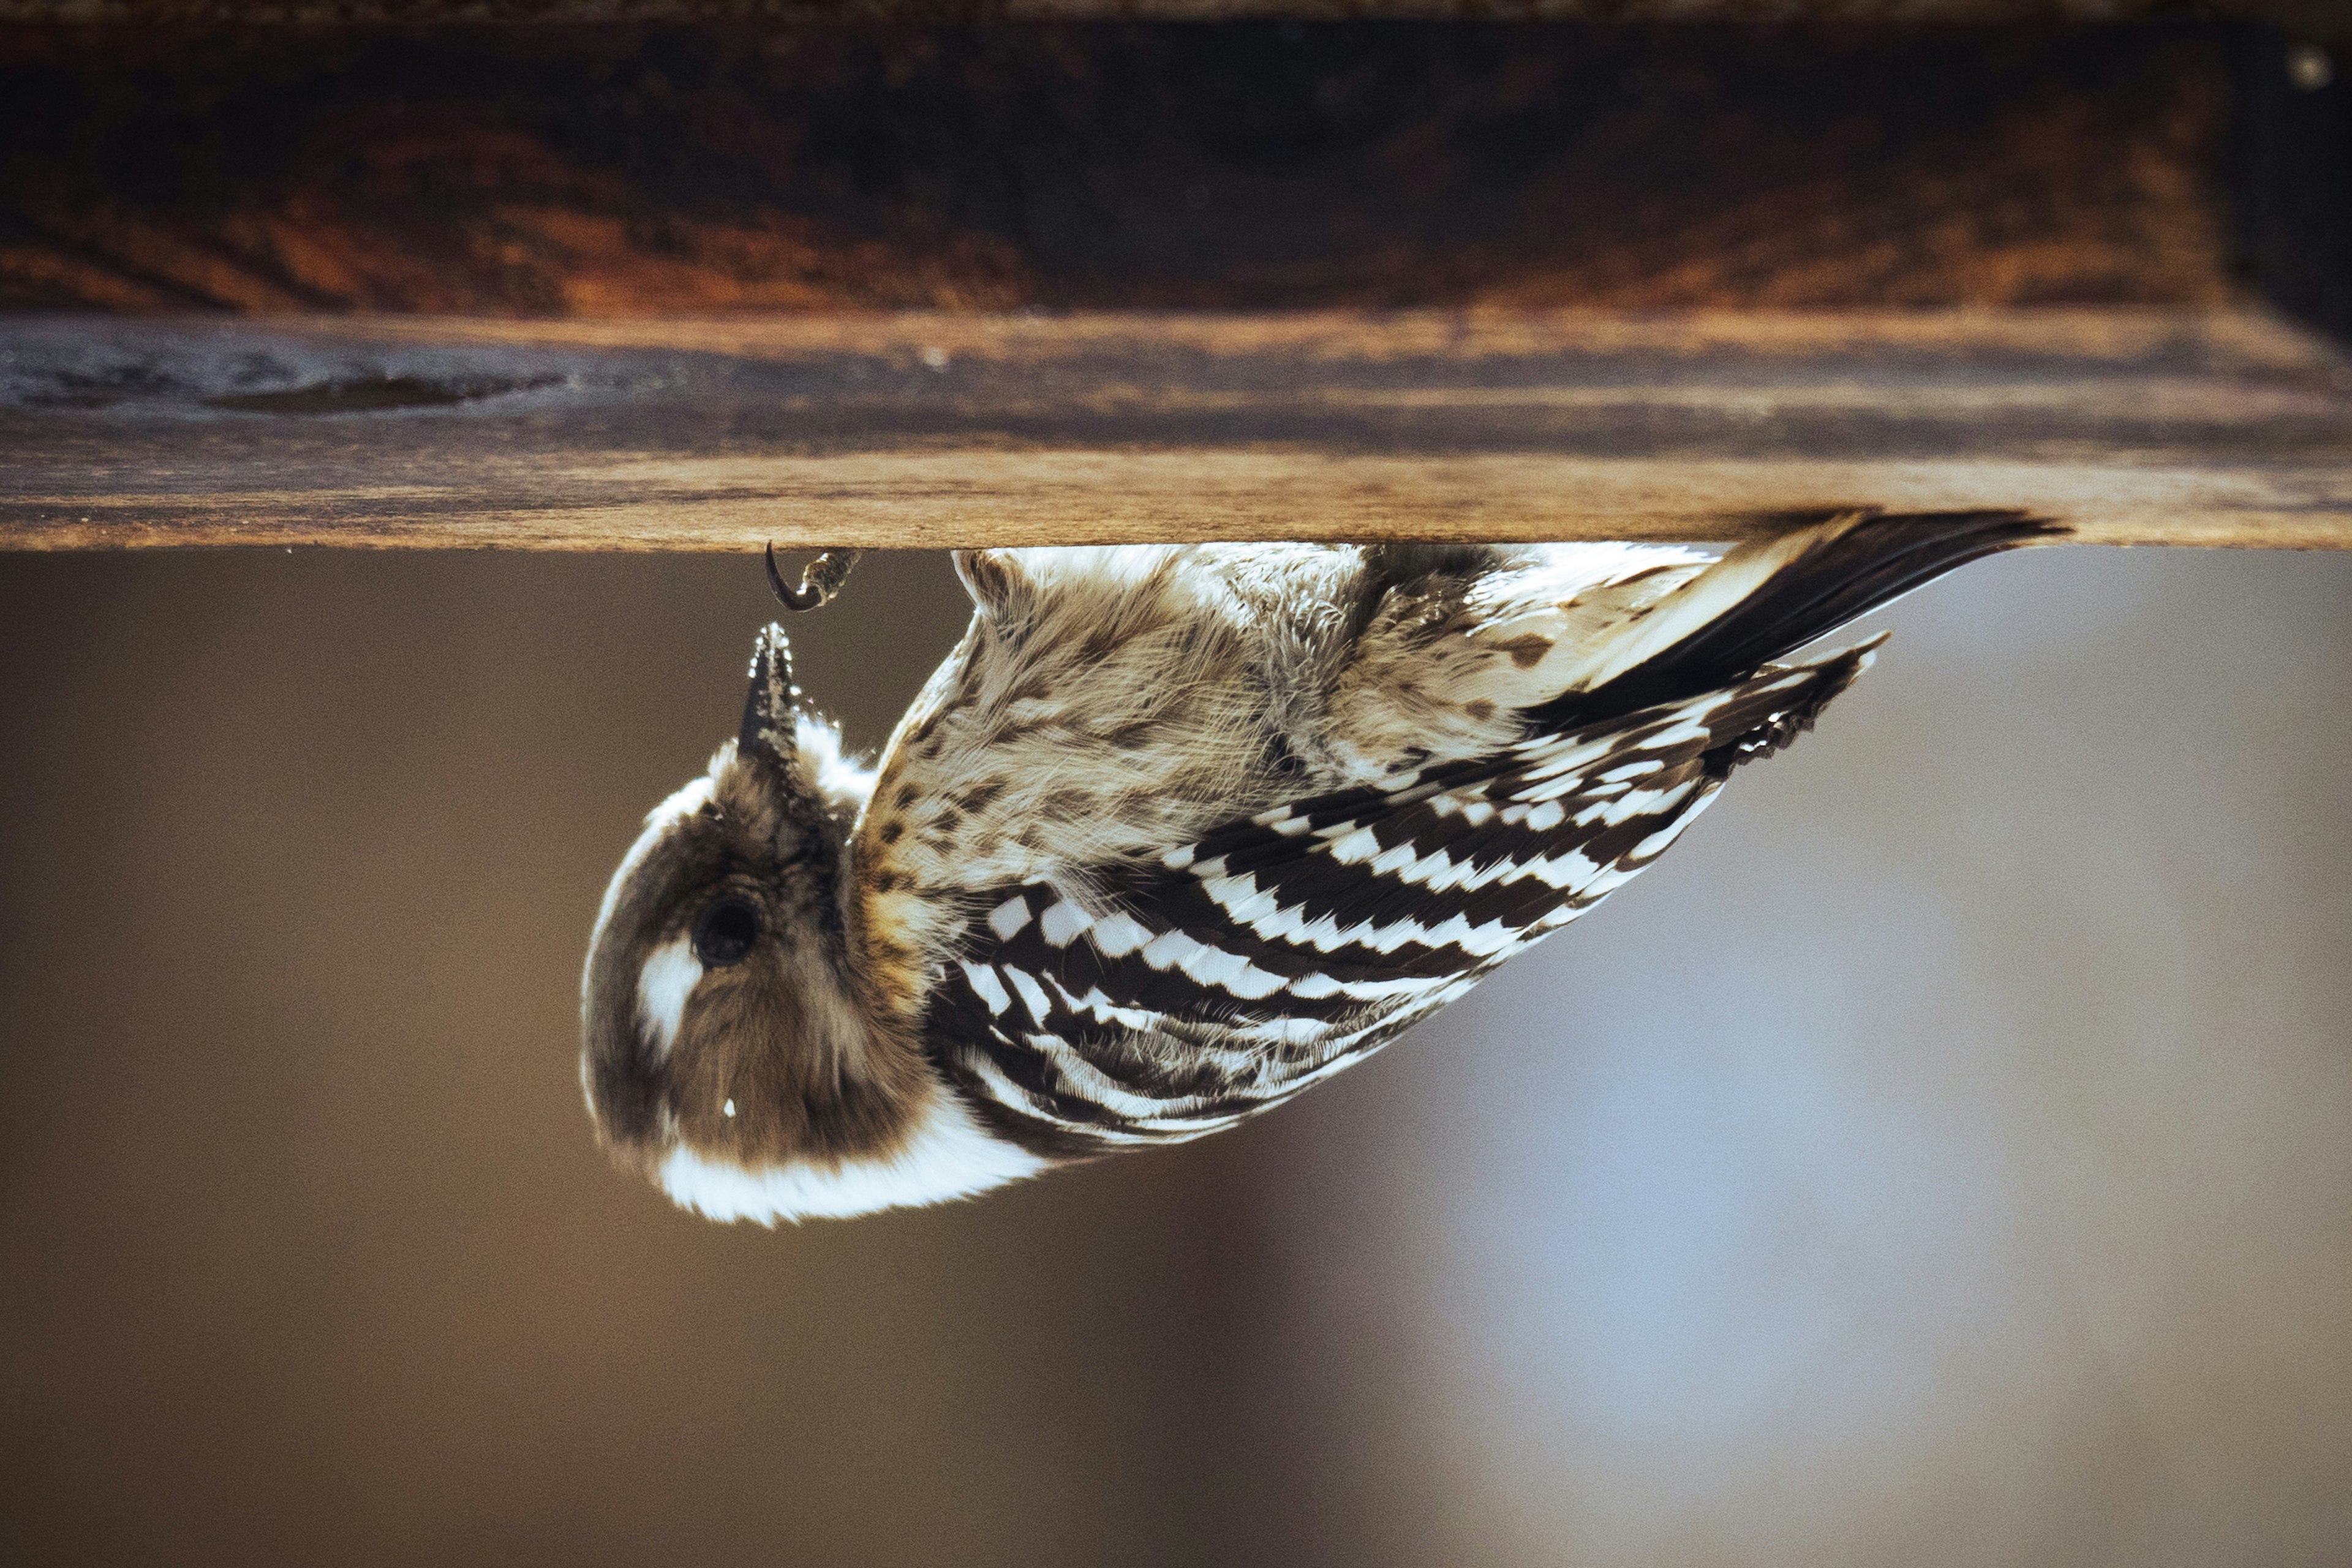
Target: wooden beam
{"points": [[2191, 426], [1112, 282]]}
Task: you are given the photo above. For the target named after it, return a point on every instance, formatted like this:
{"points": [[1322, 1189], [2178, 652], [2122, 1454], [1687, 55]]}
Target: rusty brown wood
{"points": [[635, 172], [2219, 428]]}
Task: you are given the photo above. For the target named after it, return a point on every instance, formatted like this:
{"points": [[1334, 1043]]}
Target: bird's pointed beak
{"points": [[771, 707]]}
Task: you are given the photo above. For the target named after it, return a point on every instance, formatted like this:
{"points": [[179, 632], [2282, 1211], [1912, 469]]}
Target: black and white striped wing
{"points": [[1236, 971]]}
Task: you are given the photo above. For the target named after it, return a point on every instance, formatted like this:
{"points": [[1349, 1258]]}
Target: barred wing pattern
{"points": [[1278, 950]]}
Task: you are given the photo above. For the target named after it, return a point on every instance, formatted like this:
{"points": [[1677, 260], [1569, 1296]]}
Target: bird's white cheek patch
{"points": [[667, 979], [949, 1156]]}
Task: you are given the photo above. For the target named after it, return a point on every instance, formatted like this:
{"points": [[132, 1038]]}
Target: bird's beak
{"points": [[771, 707]]}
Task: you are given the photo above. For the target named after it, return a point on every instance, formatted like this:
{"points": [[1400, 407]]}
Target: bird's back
{"points": [[1179, 832]]}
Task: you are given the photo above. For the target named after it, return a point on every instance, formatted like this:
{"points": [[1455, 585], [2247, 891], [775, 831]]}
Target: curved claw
{"points": [[821, 579]]}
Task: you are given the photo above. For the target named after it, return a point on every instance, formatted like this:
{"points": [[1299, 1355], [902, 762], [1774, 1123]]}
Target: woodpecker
{"points": [[1175, 833]]}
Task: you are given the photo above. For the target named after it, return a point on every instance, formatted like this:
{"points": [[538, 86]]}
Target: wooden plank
{"points": [[1409, 252], [2136, 427]]}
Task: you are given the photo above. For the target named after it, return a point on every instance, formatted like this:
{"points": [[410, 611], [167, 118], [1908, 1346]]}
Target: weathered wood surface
{"points": [[2136, 427], [630, 171]]}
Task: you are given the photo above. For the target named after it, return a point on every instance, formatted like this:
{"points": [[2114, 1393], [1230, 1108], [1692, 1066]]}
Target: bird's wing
{"points": [[1191, 991]]}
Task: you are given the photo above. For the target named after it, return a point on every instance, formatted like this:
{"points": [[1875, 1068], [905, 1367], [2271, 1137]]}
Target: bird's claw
{"points": [[821, 579]]}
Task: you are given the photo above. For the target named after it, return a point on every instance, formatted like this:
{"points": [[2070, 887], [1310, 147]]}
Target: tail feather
{"points": [[1779, 726], [1846, 569], [1793, 588]]}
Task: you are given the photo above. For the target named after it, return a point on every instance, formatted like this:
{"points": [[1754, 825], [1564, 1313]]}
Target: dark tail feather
{"points": [[1844, 574], [1778, 725]]}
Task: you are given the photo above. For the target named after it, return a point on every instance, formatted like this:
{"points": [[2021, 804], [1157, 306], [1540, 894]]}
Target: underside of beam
{"points": [[2135, 426]]}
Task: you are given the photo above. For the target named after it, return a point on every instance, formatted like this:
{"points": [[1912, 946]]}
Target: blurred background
{"points": [[1945, 1155]]}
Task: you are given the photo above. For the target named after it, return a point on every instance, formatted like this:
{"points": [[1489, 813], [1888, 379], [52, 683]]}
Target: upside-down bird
{"points": [[1175, 833]]}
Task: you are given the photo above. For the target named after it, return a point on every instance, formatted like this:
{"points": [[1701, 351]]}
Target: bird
{"points": [[1176, 833]]}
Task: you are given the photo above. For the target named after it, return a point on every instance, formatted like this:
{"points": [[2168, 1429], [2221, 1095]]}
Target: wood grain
{"points": [[2133, 425]]}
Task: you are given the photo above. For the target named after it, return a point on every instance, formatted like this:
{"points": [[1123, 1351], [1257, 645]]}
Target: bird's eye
{"points": [[725, 933]]}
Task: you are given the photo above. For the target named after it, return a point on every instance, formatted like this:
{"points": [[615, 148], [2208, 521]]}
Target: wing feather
{"points": [[1232, 971]]}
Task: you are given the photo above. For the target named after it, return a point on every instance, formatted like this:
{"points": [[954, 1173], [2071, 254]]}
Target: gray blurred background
{"points": [[1944, 1156]]}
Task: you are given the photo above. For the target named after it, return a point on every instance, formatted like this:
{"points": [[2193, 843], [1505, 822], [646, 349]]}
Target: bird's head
{"points": [[726, 1052]]}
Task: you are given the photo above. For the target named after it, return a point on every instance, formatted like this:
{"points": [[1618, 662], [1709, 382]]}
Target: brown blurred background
{"points": [[1945, 1155]]}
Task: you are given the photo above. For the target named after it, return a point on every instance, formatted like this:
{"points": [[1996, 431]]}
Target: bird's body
{"points": [[1175, 833]]}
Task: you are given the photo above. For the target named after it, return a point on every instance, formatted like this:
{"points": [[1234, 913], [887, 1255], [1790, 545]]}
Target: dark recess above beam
{"points": [[628, 171]]}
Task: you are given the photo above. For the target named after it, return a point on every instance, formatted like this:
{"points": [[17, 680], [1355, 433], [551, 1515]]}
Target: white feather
{"points": [[949, 1156], [667, 979], [841, 778]]}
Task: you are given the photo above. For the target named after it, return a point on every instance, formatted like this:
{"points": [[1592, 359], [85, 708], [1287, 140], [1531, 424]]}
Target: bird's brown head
{"points": [[726, 1051]]}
